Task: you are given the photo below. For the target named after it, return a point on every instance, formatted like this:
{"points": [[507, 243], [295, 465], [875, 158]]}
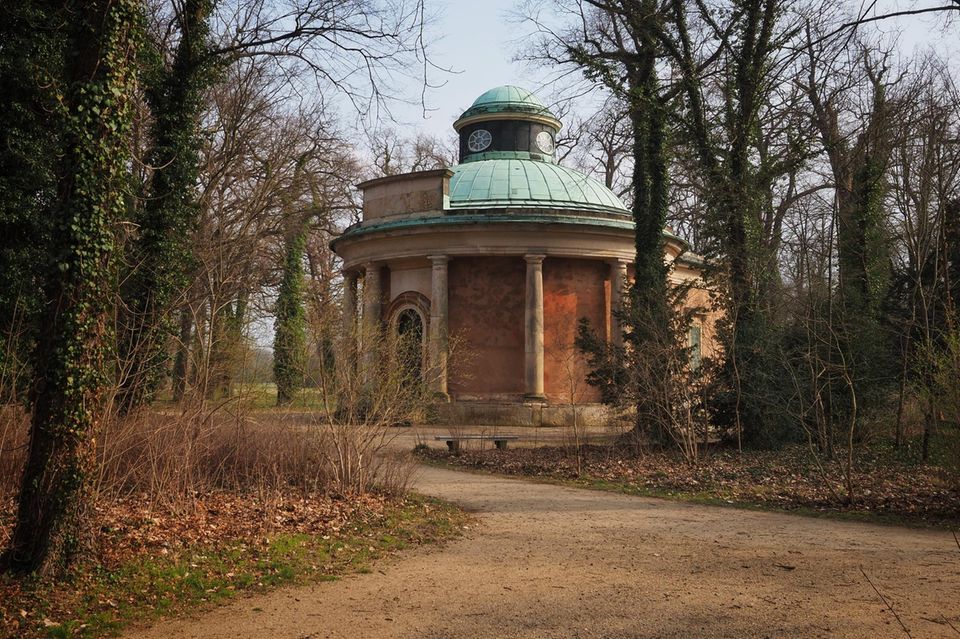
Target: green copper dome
{"points": [[507, 101], [507, 98], [526, 184]]}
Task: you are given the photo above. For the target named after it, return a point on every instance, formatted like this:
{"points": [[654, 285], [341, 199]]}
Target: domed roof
{"points": [[521, 183], [508, 95], [507, 99]]}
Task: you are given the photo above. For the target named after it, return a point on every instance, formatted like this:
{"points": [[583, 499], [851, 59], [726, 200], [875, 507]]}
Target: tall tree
{"points": [[924, 200], [161, 254], [94, 90], [290, 338], [728, 72], [618, 45], [858, 156], [345, 46]]}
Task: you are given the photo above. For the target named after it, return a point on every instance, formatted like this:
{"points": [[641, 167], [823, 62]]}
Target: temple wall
{"points": [[706, 319], [409, 279], [485, 324], [698, 298], [572, 289]]}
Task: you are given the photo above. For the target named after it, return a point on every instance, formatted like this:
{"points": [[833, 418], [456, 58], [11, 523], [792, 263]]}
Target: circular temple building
{"points": [[499, 258]]}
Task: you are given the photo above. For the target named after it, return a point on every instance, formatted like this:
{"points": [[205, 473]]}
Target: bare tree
{"points": [[356, 49], [924, 191], [393, 154]]}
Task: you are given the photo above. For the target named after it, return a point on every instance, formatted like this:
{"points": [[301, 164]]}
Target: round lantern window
{"points": [[479, 140], [545, 142]]}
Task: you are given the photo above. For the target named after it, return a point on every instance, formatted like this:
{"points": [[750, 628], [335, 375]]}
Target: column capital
{"points": [[619, 262], [371, 265], [438, 260], [535, 258]]}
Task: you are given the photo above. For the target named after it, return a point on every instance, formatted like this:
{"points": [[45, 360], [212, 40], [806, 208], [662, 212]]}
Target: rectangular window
{"points": [[695, 355]]}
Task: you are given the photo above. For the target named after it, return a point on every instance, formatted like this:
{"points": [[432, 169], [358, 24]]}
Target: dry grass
{"points": [[279, 500], [171, 458]]}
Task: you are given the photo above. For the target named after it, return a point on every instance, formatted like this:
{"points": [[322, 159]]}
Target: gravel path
{"points": [[548, 561]]}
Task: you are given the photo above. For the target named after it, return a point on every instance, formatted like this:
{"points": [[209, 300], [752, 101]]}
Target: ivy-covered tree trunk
{"points": [[735, 194], [627, 64], [863, 261], [744, 371], [162, 255], [861, 357], [290, 338], [648, 321], [95, 91]]}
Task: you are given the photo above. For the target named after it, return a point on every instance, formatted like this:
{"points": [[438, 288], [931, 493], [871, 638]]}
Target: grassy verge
{"points": [[888, 492], [731, 501], [98, 601]]}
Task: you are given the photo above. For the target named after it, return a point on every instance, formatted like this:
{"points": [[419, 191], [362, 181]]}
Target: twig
{"points": [[947, 621], [886, 603], [956, 539]]}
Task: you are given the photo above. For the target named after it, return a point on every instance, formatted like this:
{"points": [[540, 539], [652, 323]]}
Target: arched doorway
{"points": [[409, 331]]}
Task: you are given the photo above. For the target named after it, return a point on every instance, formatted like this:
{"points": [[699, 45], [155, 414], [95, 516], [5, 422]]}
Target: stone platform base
{"points": [[519, 414]]}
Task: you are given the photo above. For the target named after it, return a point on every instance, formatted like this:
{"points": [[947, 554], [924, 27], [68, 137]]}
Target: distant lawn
{"points": [[263, 395]]}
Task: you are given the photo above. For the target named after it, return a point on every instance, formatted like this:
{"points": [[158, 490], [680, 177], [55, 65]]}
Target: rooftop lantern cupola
{"points": [[507, 122]]}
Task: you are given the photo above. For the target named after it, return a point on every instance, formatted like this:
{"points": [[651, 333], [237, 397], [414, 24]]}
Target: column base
{"points": [[534, 397]]}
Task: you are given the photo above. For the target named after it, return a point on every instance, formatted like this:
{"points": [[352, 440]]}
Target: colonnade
{"points": [[437, 345]]}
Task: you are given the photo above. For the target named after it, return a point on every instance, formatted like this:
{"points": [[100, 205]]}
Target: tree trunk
{"points": [[181, 364], [170, 212], [67, 397], [290, 338], [649, 316]]}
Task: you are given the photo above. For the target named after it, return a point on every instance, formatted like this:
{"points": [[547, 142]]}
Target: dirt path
{"points": [[548, 561]]}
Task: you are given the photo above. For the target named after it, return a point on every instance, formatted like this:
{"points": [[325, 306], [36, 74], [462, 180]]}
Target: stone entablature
{"points": [[557, 236]]}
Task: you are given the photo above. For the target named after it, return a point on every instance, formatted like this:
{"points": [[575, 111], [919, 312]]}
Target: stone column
{"points": [[372, 295], [438, 324], [618, 284], [350, 314], [533, 328]]}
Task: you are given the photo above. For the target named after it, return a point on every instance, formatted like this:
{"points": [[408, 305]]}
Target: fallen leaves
{"points": [[150, 558], [134, 525], [788, 479]]}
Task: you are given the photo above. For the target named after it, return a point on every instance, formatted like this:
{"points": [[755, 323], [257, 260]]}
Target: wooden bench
{"points": [[453, 441]]}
